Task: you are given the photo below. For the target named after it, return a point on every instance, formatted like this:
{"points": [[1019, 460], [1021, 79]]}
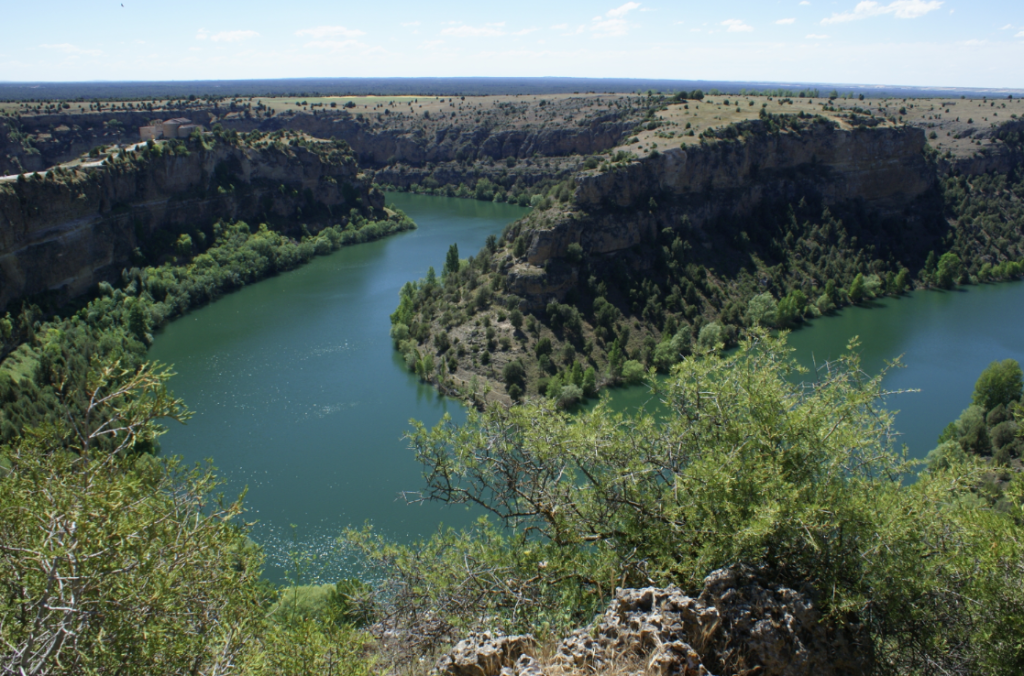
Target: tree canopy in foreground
{"points": [[801, 476], [115, 561]]}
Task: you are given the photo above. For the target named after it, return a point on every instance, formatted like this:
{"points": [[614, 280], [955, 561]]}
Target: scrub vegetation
{"points": [[114, 559], [989, 431], [802, 481], [651, 305]]}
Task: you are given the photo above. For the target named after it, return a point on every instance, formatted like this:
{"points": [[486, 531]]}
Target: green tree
{"points": [[633, 372], [516, 319], [514, 374], [183, 247], [762, 310], [902, 281], [451, 261], [112, 561], [999, 383], [791, 308], [711, 336], [138, 320], [748, 465], [857, 292], [949, 270]]}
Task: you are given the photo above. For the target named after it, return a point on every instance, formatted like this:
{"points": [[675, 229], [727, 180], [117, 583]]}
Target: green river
{"points": [[299, 396]]}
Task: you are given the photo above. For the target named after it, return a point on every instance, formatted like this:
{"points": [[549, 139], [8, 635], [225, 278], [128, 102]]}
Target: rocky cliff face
{"points": [[66, 232], [438, 141], [718, 187], [1002, 151]]}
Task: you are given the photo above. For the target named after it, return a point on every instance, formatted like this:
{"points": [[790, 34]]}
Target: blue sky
{"points": [[961, 43]]}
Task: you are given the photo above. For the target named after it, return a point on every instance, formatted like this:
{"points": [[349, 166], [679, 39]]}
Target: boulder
{"points": [[741, 623], [490, 654]]}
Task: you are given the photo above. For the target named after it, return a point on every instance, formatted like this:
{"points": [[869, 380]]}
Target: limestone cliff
{"points": [[67, 231], [439, 141], [718, 187]]}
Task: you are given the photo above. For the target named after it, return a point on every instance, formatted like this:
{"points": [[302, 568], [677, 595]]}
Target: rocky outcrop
{"points": [[487, 654], [65, 232], [719, 186], [417, 144], [742, 622], [885, 167], [1002, 151]]}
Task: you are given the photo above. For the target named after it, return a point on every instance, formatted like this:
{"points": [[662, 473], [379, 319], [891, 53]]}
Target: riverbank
{"points": [[301, 399], [50, 360], [944, 339]]}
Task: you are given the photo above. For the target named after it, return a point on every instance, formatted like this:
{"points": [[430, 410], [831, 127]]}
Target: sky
{"points": [[934, 43]]}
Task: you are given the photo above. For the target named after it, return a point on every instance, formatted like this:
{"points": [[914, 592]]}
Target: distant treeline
{"points": [[437, 86]]}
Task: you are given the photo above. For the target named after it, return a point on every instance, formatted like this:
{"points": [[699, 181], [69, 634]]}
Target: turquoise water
{"points": [[299, 395], [945, 339]]}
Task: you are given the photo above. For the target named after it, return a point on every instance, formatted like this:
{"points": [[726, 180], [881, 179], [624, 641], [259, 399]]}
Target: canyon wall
{"points": [[441, 142], [63, 233], [715, 189]]}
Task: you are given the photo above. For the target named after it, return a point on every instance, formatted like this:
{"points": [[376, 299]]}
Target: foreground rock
{"points": [[488, 654], [741, 623]]}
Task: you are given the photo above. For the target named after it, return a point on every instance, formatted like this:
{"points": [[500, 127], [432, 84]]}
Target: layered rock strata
{"points": [[65, 233], [719, 186]]}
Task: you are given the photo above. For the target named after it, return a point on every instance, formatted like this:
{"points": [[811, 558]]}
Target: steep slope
{"points": [[765, 222], [68, 230]]}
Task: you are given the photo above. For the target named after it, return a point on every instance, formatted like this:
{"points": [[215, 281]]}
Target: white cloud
{"points": [[226, 36], [1019, 35], [613, 22], [903, 9], [525, 31], [785, 22], [737, 26], [610, 28], [321, 32], [804, 2], [813, 36], [1007, 27], [411, 23], [622, 10], [560, 27], [488, 31], [68, 48]]}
